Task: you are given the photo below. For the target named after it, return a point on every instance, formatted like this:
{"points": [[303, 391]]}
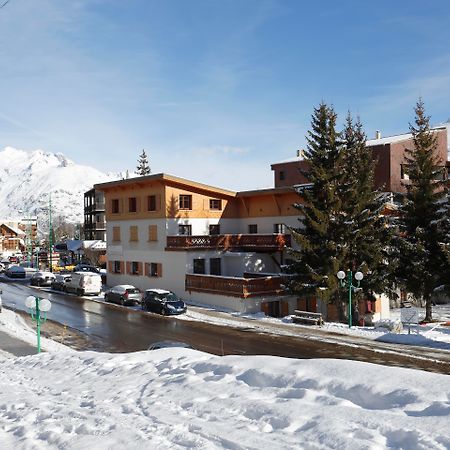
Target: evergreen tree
{"points": [[341, 226], [421, 253], [143, 168], [365, 233], [319, 256]]}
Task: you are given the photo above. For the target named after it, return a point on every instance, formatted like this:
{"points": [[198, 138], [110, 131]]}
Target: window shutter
{"points": [[121, 267], [153, 232], [128, 265], [159, 270], [147, 269], [139, 268], [158, 202], [133, 233], [110, 266]]}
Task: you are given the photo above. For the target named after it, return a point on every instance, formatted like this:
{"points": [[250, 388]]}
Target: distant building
{"points": [[17, 235], [391, 171], [94, 215]]}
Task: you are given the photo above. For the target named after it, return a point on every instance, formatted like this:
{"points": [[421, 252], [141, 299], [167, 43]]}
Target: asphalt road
{"points": [[100, 326]]}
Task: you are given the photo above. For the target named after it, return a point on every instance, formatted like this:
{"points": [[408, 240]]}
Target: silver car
{"points": [[124, 294], [42, 278]]}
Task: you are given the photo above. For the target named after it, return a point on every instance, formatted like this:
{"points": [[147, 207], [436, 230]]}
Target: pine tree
{"points": [[422, 258], [365, 233], [341, 223], [143, 168], [319, 256]]}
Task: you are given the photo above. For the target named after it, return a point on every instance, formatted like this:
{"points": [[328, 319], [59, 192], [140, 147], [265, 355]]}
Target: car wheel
{"points": [[106, 298], [122, 301], [163, 311], [80, 292]]}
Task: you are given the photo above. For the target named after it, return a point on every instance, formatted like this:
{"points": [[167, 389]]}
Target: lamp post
{"points": [[37, 306], [349, 283], [50, 243]]}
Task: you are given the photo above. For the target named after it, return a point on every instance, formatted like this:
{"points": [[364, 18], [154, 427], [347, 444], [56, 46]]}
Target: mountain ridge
{"points": [[27, 178]]}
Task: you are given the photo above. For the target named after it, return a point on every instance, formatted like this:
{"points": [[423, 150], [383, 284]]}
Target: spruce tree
{"points": [[365, 233], [143, 168], [318, 258], [341, 225], [422, 256]]}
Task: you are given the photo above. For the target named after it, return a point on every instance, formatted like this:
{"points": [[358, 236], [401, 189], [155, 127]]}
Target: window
{"points": [[185, 201], [135, 268], [117, 267], [214, 229], [279, 228], [253, 228], [116, 234], [199, 266], [215, 204], [132, 204], [115, 206], [134, 233], [404, 172], [151, 203], [152, 233], [185, 230], [215, 266], [155, 270], [281, 175]]}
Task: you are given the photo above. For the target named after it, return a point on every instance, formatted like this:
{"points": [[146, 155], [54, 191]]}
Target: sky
{"points": [[214, 91], [178, 398]]}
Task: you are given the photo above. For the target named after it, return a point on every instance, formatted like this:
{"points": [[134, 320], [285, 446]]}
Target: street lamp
{"points": [[36, 306], [349, 283]]}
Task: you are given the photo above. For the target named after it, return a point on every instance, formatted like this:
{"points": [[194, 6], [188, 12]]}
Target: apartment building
{"points": [[391, 169], [209, 245], [94, 215]]}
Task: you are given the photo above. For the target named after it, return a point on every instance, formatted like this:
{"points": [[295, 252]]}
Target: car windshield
{"points": [[171, 297], [176, 303]]}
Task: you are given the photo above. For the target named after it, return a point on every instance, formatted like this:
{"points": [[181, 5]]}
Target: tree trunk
{"points": [[428, 309]]}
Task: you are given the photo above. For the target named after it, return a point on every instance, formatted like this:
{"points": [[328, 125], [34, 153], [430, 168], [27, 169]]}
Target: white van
{"points": [[82, 283]]}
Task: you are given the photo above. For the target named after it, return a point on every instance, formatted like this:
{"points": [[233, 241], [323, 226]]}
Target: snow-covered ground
{"points": [[182, 398]]}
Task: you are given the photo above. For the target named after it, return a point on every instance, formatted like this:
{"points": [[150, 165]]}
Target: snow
{"points": [[178, 398], [27, 178]]}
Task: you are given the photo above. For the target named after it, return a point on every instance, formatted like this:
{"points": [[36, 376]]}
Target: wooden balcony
{"points": [[235, 287], [236, 242]]}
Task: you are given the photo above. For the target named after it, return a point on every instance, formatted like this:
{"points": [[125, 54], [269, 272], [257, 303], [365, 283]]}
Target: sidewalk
{"points": [[15, 346]]}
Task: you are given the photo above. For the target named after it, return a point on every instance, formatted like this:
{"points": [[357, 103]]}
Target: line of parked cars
{"points": [[86, 279]]}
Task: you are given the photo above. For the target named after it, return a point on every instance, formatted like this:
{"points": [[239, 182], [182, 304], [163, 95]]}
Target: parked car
{"points": [[124, 294], [82, 283], [59, 283], [15, 272], [169, 344], [42, 278], [85, 268], [162, 302]]}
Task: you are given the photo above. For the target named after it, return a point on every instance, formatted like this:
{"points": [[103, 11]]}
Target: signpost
{"points": [[410, 316], [37, 306]]}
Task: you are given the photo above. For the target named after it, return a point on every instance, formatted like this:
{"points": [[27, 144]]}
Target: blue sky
{"points": [[214, 90]]}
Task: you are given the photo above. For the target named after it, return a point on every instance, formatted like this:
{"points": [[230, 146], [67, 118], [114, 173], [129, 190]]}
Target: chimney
{"points": [[298, 153], [377, 134]]}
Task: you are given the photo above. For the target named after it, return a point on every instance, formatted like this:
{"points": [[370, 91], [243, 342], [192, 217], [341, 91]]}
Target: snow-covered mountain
{"points": [[27, 178]]}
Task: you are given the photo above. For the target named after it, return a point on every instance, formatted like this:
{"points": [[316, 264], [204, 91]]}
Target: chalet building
{"points": [[391, 171], [11, 239], [17, 235], [94, 215], [208, 245]]}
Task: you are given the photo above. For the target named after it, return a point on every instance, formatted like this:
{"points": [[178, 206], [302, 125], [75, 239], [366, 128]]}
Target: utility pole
{"points": [[50, 243]]}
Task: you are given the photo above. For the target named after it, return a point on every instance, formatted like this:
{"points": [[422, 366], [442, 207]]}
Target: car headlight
{"points": [[170, 307]]}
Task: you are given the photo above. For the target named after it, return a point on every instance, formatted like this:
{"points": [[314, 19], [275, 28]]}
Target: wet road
{"points": [[112, 328]]}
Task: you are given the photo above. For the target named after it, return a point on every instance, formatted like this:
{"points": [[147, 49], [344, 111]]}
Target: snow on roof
{"points": [[396, 138]]}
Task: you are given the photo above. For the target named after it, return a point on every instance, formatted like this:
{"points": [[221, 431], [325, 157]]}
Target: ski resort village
{"points": [[200, 250]]}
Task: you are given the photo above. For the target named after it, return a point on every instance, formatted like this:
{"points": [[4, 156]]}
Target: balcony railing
{"points": [[249, 242], [235, 287]]}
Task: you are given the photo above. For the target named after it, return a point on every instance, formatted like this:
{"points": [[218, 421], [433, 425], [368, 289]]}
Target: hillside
{"points": [[27, 179]]}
